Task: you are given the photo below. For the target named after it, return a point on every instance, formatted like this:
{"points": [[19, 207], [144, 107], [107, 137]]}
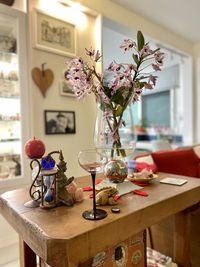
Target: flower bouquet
{"points": [[125, 86]]}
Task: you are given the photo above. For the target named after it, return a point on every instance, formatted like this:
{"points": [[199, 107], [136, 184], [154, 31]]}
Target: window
{"points": [[156, 109]]}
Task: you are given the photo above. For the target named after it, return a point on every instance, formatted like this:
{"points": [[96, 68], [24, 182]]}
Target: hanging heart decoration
{"points": [[43, 79]]}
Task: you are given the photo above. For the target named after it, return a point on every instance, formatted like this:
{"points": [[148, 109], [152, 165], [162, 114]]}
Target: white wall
{"points": [[85, 110], [197, 92]]}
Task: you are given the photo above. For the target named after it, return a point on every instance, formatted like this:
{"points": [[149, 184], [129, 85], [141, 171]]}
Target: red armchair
{"points": [[184, 161], [180, 161]]}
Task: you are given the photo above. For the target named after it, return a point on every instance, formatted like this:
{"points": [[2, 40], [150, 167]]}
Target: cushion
{"points": [[145, 161], [182, 162]]}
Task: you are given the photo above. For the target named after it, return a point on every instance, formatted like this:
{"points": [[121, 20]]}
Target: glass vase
{"points": [[114, 135]]}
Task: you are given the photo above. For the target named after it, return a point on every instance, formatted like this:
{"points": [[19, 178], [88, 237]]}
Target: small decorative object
{"points": [[106, 196], [34, 148], [119, 86], [78, 196], [115, 210], [77, 193], [8, 44], [63, 196], [48, 188], [48, 163], [43, 78], [59, 122], [116, 170], [145, 176], [92, 161]]}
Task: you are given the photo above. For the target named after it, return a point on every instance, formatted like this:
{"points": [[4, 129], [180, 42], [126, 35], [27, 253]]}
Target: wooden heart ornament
{"points": [[43, 79]]}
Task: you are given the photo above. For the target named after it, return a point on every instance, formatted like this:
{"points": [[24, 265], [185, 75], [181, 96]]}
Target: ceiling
{"points": [[179, 16]]}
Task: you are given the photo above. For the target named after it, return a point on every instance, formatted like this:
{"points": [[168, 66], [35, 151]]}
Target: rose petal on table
{"points": [[87, 188], [98, 181], [140, 192]]}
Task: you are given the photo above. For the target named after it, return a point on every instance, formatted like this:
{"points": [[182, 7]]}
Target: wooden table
{"points": [[63, 238]]}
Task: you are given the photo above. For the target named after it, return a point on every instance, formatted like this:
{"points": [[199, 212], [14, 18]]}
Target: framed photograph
{"points": [[59, 122], [54, 35], [65, 88]]}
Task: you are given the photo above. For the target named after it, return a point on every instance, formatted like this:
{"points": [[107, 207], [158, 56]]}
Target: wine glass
{"points": [[92, 161]]}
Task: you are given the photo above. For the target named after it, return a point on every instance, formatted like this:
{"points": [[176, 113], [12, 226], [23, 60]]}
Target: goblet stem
{"points": [[94, 193]]}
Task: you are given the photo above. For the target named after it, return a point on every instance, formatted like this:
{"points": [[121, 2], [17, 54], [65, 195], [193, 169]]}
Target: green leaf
{"points": [[118, 97], [142, 84], [107, 91], [140, 40], [142, 77], [118, 111], [135, 58]]}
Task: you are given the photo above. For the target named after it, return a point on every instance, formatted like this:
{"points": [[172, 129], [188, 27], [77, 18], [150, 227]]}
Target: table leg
{"points": [[182, 236], [27, 256]]}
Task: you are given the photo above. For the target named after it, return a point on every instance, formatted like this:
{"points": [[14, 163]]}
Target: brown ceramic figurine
{"points": [[63, 196]]}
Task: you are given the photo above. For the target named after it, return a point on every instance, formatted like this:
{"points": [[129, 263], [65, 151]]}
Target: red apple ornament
{"points": [[34, 148]]}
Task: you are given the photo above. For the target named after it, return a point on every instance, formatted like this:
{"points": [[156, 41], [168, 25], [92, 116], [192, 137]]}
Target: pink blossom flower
{"points": [[159, 57], [127, 45], [131, 67], [90, 52], [156, 67], [152, 79], [145, 51], [148, 86], [114, 66], [97, 56]]}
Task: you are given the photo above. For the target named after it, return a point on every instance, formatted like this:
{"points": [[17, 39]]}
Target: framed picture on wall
{"points": [[59, 122], [65, 88], [53, 34]]}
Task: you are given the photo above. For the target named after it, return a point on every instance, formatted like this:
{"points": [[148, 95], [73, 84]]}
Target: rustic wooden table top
{"points": [[61, 235]]}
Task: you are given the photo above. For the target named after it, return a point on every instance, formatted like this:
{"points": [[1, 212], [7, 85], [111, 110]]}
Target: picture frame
{"points": [[59, 122], [54, 35], [65, 88]]}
